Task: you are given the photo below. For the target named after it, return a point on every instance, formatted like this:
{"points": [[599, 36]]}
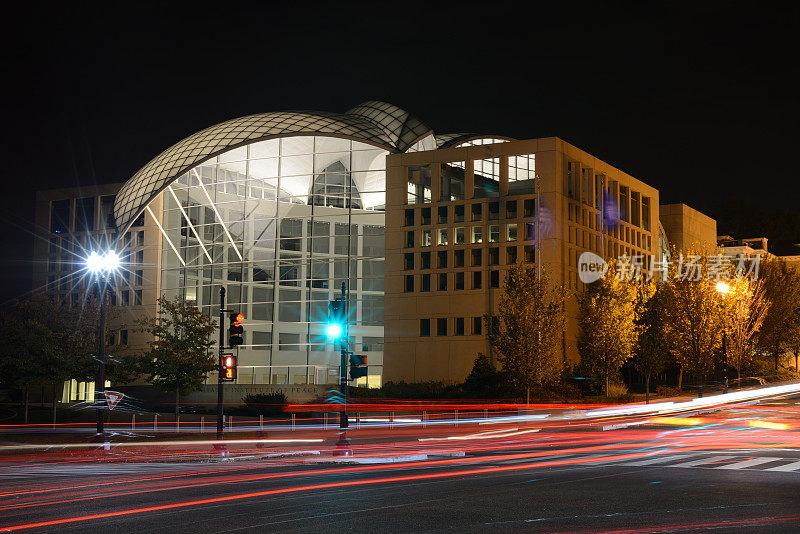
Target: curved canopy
{"points": [[456, 139], [376, 123]]}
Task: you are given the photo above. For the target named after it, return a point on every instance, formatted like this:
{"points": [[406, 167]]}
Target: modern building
{"points": [[283, 209], [688, 229]]}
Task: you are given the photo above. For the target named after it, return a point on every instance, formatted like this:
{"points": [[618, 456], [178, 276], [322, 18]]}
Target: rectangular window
{"points": [[419, 184], [442, 281], [476, 212], [511, 232], [409, 239], [460, 281], [494, 233], [442, 215], [441, 326], [530, 254], [624, 203], [84, 214], [442, 259], [494, 279], [459, 327], [426, 260], [59, 216], [530, 231], [459, 213], [138, 278], [107, 212], [646, 213], [426, 216], [477, 326], [477, 234], [477, 257], [459, 235], [426, 283], [635, 208], [494, 211], [442, 238], [511, 255], [528, 208], [452, 181], [409, 217], [287, 341], [494, 256], [458, 258], [477, 281], [409, 283], [408, 261], [424, 327], [426, 238], [511, 209], [123, 337]]}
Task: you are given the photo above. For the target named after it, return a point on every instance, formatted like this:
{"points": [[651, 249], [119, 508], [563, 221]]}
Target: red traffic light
{"points": [[236, 318], [228, 367]]}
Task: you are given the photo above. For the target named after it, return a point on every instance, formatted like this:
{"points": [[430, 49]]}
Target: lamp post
{"points": [[102, 267], [723, 288]]}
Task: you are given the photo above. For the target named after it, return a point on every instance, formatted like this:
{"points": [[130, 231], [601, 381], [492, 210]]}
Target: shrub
{"points": [[270, 404], [666, 391]]}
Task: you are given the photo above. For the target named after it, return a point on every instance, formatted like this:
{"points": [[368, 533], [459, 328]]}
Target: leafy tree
{"points": [[744, 307], [782, 289], [180, 355], [653, 347], [484, 379], [608, 329], [694, 315], [528, 328]]}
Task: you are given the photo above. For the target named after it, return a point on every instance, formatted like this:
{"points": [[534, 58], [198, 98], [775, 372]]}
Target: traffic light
{"points": [[336, 320], [236, 330], [358, 366], [228, 367]]}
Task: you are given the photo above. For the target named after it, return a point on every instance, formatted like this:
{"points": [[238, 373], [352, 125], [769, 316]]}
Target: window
{"points": [[107, 212], [442, 281], [476, 280], [494, 211], [477, 234], [494, 279], [528, 207], [459, 235], [646, 213], [458, 258], [409, 239], [477, 257], [476, 212], [442, 215], [123, 337], [511, 209], [494, 233], [426, 238], [410, 217], [624, 203], [84, 214], [452, 181], [459, 326], [477, 326], [511, 232], [287, 341], [424, 327], [530, 254], [138, 278], [441, 326], [125, 297], [442, 259], [409, 283], [426, 282], [419, 184], [511, 255], [530, 231], [442, 239], [426, 216], [408, 261], [494, 256], [59, 216], [459, 213], [426, 260], [459, 281]]}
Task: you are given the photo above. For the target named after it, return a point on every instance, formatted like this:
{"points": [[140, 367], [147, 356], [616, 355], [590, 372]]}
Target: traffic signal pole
{"points": [[343, 441], [100, 377], [220, 413]]}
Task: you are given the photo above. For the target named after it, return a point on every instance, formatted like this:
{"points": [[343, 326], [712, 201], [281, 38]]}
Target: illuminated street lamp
{"points": [[102, 267], [723, 288]]}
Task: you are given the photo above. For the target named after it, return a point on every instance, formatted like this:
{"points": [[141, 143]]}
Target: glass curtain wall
{"points": [[281, 224]]}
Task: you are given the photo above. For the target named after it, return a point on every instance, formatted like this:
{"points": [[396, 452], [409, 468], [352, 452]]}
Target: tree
{"points": [[528, 328], [180, 355], [745, 307], [653, 347], [694, 315], [608, 330], [782, 289]]}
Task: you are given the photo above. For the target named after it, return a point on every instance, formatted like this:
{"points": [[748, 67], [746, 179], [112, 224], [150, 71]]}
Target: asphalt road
{"points": [[731, 471]]}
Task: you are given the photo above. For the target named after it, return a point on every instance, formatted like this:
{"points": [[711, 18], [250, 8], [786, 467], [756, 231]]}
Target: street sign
{"points": [[113, 398]]}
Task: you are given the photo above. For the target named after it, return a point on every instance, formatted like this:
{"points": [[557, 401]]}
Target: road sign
{"points": [[113, 398]]}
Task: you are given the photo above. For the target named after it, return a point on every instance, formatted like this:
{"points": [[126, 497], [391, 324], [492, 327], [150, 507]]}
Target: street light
{"points": [[723, 288], [102, 267]]}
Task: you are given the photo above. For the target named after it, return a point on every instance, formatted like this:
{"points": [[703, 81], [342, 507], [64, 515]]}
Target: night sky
{"points": [[699, 101]]}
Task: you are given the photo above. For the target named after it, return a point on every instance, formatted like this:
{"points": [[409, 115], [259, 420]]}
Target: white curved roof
{"points": [[376, 123]]}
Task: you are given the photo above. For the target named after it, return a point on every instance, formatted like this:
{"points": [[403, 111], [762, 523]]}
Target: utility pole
{"points": [[100, 377], [220, 413], [343, 422]]}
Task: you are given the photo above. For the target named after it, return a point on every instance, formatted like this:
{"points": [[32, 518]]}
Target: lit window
{"points": [[459, 237], [511, 232], [494, 233], [477, 234], [426, 238], [442, 237]]}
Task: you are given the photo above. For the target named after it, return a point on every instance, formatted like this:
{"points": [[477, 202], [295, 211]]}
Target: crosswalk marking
{"points": [[706, 460], [794, 466], [749, 463]]}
